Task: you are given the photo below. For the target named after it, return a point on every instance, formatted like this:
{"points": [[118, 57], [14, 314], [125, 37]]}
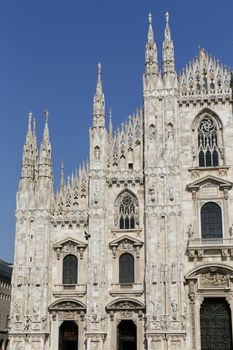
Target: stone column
{"points": [[198, 302], [54, 335]]}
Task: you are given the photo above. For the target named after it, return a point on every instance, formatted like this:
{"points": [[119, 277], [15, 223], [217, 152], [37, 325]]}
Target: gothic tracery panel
{"points": [[208, 151], [126, 211]]}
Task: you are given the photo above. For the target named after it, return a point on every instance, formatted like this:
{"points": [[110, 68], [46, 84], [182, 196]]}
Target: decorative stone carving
{"points": [[97, 153], [190, 231], [184, 316], [174, 309], [36, 309], [18, 311], [155, 310], [126, 244], [67, 306], [213, 280], [69, 245], [125, 305], [152, 132]]}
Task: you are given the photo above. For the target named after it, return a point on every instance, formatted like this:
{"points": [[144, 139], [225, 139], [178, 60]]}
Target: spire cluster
{"points": [[72, 196], [126, 142], [204, 75], [152, 77], [35, 165]]}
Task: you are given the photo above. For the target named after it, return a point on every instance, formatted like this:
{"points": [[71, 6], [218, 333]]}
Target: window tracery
{"points": [[208, 150], [127, 211]]}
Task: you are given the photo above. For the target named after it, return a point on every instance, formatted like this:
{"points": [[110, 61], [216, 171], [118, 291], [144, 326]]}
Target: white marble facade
{"points": [[145, 192]]}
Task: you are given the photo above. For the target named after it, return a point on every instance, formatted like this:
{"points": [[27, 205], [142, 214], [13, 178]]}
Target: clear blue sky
{"points": [[49, 50]]}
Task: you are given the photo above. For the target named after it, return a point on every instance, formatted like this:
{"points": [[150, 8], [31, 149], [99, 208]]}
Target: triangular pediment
{"points": [[126, 239], [70, 241], [209, 180]]}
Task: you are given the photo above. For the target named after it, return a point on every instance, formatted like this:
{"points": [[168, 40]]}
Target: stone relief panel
{"points": [[212, 280], [211, 277]]}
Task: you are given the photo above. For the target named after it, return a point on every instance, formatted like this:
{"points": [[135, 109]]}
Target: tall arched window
{"points": [[127, 211], [126, 268], [211, 221], [70, 269], [208, 151]]}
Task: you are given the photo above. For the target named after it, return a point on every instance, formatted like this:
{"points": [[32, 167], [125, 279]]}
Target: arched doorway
{"points": [[126, 335], [68, 336], [215, 318]]}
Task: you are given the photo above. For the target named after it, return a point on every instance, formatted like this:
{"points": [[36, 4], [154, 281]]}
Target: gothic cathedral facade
{"points": [[135, 251]]}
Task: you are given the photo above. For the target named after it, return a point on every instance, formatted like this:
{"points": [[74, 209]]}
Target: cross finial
{"points": [[167, 16]]}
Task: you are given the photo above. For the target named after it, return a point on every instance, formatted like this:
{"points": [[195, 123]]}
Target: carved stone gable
{"points": [[127, 304], [125, 243], [69, 245], [209, 181], [210, 186], [211, 277], [67, 305]]}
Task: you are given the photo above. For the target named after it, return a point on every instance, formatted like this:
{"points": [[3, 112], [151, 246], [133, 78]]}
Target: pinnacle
{"points": [[29, 120], [46, 112], [150, 18], [99, 68]]}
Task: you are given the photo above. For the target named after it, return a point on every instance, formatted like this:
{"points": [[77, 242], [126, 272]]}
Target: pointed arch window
{"points": [[126, 268], [208, 150], [211, 220], [70, 269], [127, 207]]}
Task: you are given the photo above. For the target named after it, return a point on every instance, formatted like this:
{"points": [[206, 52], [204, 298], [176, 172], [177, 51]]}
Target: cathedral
{"points": [[135, 250]]}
